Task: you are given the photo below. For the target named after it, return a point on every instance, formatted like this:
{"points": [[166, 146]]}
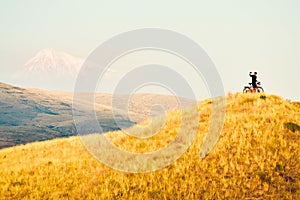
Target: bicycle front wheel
{"points": [[260, 89]]}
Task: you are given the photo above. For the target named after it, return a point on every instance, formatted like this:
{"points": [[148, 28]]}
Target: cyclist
{"points": [[254, 80]]}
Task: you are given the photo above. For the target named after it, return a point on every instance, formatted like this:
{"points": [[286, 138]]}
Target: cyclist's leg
{"points": [[254, 87]]}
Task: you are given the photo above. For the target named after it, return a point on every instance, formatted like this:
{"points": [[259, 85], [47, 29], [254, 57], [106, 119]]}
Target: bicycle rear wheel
{"points": [[247, 90]]}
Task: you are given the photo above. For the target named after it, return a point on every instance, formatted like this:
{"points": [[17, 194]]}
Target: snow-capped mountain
{"points": [[54, 63], [49, 69]]}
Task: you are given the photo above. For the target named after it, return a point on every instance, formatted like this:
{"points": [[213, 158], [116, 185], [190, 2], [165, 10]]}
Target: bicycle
{"points": [[250, 88]]}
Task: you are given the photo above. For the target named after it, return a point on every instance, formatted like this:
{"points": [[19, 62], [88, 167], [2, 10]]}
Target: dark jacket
{"points": [[254, 79]]}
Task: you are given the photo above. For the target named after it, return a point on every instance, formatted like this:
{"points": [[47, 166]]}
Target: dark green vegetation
{"points": [[292, 126], [262, 96]]}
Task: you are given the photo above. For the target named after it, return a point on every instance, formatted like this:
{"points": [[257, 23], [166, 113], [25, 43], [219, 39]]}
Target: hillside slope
{"points": [[256, 157], [28, 115]]}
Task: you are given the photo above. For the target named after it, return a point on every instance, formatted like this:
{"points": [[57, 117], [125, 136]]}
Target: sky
{"points": [[239, 36]]}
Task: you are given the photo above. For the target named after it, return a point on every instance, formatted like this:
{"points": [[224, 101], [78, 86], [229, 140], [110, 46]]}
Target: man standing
{"points": [[254, 80]]}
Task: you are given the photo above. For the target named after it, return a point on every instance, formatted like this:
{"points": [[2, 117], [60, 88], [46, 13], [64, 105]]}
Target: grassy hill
{"points": [[257, 157], [29, 115]]}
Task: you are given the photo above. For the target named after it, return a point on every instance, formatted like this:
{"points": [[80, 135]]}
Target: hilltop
{"points": [[257, 157]]}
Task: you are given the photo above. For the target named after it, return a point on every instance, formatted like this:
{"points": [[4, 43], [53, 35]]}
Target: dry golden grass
{"points": [[256, 157]]}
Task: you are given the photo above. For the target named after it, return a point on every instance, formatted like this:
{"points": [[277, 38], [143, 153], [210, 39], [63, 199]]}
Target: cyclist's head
{"points": [[255, 73]]}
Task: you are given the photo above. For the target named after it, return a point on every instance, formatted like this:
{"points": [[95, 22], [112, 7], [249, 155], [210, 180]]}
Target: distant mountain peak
{"points": [[49, 69], [52, 62]]}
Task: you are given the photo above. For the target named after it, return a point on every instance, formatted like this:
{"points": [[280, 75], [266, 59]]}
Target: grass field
{"points": [[257, 157]]}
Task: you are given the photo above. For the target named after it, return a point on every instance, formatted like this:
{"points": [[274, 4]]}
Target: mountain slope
{"points": [[256, 157], [29, 115]]}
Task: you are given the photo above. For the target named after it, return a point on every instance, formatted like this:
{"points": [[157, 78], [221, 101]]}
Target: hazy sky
{"points": [[239, 36]]}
